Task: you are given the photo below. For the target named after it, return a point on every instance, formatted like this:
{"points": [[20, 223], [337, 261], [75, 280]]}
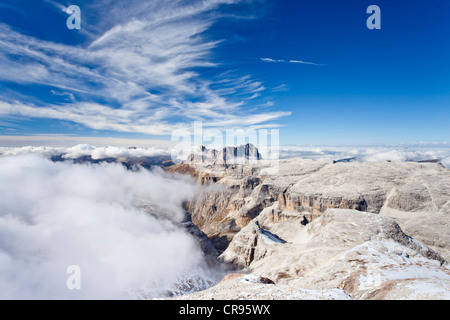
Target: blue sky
{"points": [[141, 69]]}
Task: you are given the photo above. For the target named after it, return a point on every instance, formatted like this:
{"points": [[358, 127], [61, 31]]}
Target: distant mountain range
{"points": [[128, 162], [226, 156]]}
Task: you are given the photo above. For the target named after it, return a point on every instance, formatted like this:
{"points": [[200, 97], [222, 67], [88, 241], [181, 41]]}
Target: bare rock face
{"points": [[308, 188], [226, 156], [337, 230], [253, 287], [361, 253], [342, 230], [367, 186], [343, 254], [420, 281]]}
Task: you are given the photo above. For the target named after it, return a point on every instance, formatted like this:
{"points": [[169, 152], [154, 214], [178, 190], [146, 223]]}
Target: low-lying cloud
{"points": [[111, 152], [54, 215], [414, 152], [81, 150]]}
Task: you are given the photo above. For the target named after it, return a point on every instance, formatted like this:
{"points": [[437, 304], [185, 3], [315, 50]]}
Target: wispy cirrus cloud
{"points": [[291, 61], [140, 70], [271, 60], [280, 88]]}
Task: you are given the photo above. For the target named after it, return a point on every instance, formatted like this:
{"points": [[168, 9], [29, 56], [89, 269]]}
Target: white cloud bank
{"points": [[413, 152], [81, 150], [111, 152], [53, 215]]}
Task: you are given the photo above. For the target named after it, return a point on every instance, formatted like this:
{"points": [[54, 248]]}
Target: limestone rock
{"points": [[226, 156], [308, 188], [376, 230], [253, 287], [337, 251]]}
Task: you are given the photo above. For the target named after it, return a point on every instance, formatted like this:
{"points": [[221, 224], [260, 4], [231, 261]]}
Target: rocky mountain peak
{"points": [[226, 156]]}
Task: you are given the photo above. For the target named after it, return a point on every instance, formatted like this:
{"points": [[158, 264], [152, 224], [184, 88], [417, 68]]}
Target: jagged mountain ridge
{"points": [[226, 156]]}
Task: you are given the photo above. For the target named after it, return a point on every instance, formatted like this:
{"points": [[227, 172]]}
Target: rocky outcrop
{"points": [[367, 186], [342, 230], [361, 253], [308, 188], [334, 232], [343, 254], [226, 156], [421, 281], [253, 287]]}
